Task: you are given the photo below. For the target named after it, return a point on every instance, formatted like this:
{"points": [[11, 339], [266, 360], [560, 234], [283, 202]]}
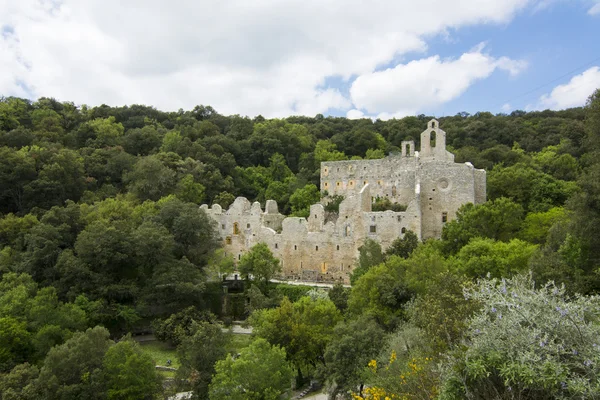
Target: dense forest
{"points": [[102, 238]]}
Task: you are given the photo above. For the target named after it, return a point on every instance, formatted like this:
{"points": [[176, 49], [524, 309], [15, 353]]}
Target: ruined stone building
{"points": [[324, 247]]}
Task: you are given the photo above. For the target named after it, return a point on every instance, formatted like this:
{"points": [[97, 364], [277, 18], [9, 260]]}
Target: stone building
{"points": [[324, 247]]}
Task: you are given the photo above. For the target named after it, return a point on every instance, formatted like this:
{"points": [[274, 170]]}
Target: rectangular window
{"points": [[228, 240], [373, 229], [444, 217], [276, 246]]}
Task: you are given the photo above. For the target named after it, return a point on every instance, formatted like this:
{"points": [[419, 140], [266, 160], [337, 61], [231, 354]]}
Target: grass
{"points": [[238, 341], [160, 353]]}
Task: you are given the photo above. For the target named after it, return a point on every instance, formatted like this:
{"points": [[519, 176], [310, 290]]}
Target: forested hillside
{"points": [[101, 235]]}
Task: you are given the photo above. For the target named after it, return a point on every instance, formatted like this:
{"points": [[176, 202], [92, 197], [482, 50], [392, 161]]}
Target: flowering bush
{"points": [[526, 343], [415, 379]]}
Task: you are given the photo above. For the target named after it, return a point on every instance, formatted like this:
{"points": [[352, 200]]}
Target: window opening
{"points": [[236, 228], [444, 217], [432, 139], [373, 229], [403, 230]]}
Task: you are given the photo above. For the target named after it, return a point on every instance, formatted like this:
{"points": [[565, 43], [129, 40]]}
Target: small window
{"points": [[228, 240], [316, 248], [248, 226], [315, 216], [403, 230], [433, 124], [338, 247], [337, 184], [444, 217], [239, 256], [276, 246], [373, 229], [295, 247], [236, 228], [431, 198], [326, 184], [399, 218]]}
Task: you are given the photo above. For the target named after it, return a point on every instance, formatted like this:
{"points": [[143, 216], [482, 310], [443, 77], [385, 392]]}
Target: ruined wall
{"points": [[325, 248]]}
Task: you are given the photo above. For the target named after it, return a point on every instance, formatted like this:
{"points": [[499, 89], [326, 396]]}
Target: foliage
{"points": [[198, 354], [346, 356], [380, 293], [369, 255], [550, 351], [181, 325], [385, 204], [339, 296], [487, 257], [129, 372], [403, 246], [303, 198], [260, 372], [499, 219], [260, 264], [303, 328]]}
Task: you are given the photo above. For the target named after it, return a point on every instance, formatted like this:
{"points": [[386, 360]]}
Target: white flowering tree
{"points": [[526, 343]]}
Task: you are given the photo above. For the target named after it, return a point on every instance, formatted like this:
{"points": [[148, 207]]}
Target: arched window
{"points": [[432, 139], [403, 230], [433, 124], [236, 228]]}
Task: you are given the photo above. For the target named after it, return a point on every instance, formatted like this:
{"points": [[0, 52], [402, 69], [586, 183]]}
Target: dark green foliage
{"points": [[499, 219], [355, 344], [339, 295], [403, 246], [385, 204], [198, 354], [370, 254], [181, 325]]}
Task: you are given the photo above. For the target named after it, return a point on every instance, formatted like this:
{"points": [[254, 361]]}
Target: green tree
{"points": [[369, 255], [190, 191], [150, 179], [346, 356], [304, 328], [499, 219], [380, 293], [403, 246], [129, 373], [259, 263], [481, 257], [339, 296], [15, 343], [261, 372], [198, 354], [73, 370], [303, 198]]}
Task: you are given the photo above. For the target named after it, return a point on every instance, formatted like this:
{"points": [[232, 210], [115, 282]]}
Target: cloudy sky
{"points": [[374, 58]]}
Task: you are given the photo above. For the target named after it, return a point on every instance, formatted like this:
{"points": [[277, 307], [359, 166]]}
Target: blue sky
{"points": [[377, 59]]}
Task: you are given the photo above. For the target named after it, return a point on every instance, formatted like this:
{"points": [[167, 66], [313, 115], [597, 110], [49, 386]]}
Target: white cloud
{"points": [[409, 88], [572, 94], [506, 107], [267, 57], [595, 9], [355, 114]]}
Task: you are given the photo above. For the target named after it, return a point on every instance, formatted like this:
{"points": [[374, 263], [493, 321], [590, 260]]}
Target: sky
{"points": [[276, 58]]}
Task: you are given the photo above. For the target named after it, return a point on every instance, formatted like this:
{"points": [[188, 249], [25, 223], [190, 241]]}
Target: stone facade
{"points": [[325, 247]]}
